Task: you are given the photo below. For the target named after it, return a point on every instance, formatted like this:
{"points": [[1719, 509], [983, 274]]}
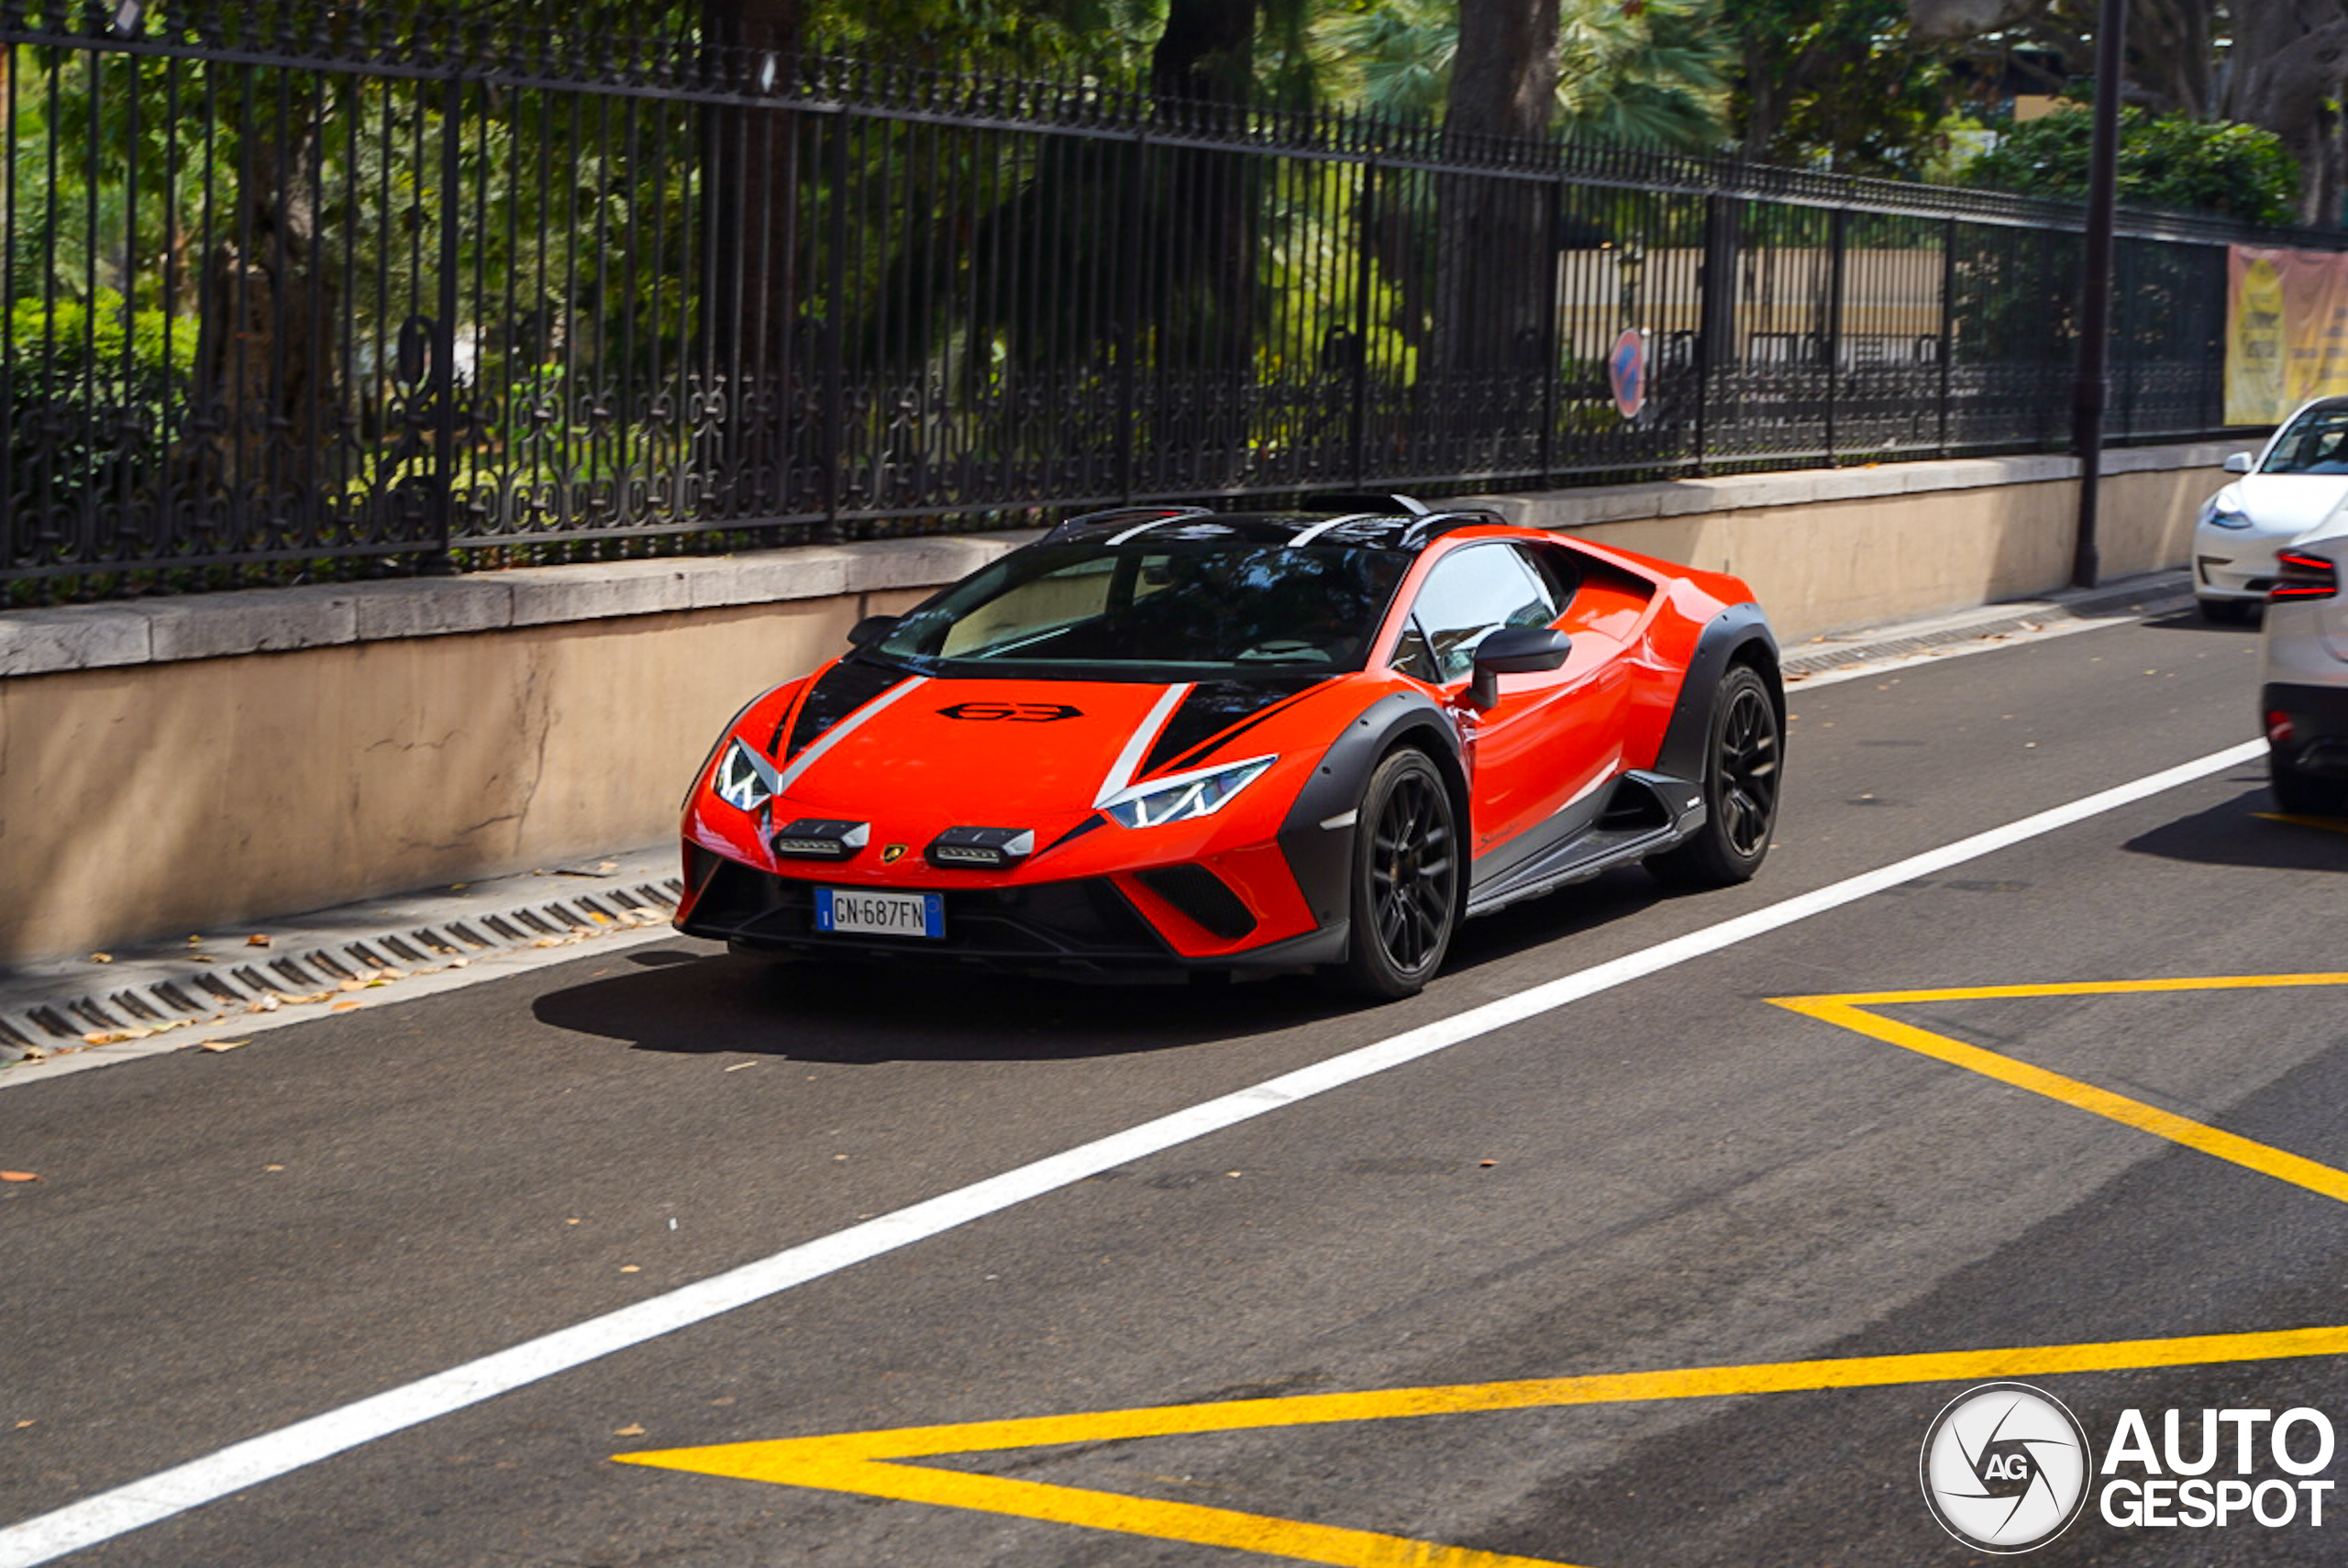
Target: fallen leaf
{"points": [[347, 1006], [22, 1425], [391, 974], [97, 1037], [268, 1004], [631, 1430], [607, 866], [222, 1044], [272, 1167], [631, 1268], [194, 941], [1486, 1164], [739, 1066], [458, 963], [101, 958], [599, 919], [353, 984], [19, 1176], [200, 958], [256, 940]]}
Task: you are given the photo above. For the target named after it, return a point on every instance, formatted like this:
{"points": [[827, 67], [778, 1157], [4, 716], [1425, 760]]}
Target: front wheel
{"points": [[1741, 781], [1405, 878]]}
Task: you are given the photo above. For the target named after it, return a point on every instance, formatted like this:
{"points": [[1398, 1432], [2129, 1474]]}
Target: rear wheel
{"points": [[2303, 794], [1739, 789], [1405, 878]]}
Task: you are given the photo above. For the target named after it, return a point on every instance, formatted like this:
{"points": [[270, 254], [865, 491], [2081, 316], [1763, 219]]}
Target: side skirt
{"points": [[1647, 812]]}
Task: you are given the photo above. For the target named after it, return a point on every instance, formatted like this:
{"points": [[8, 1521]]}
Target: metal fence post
{"points": [[1357, 417], [442, 561]]}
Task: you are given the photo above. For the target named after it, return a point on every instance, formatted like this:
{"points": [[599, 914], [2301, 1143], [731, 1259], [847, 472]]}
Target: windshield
{"points": [[2315, 442], [1147, 610]]}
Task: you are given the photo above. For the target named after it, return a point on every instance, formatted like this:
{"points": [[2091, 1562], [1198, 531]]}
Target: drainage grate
{"points": [[172, 987]]}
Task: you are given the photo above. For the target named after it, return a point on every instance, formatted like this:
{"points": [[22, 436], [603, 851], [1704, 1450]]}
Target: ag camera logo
{"points": [[2005, 1467]]}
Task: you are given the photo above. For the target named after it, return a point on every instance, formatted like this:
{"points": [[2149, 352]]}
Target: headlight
{"points": [[744, 780], [1183, 797], [2223, 514]]}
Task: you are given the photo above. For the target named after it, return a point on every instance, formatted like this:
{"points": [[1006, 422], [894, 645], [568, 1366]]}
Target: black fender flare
{"points": [[1317, 838], [1733, 635]]}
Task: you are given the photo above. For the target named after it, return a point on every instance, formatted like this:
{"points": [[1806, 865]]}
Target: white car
{"points": [[2303, 674], [2296, 481]]}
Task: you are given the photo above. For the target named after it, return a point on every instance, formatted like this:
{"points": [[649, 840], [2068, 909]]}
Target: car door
{"points": [[1537, 758]]}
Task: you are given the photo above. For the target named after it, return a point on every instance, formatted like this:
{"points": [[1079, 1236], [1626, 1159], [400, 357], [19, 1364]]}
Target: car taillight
{"points": [[2301, 576]]}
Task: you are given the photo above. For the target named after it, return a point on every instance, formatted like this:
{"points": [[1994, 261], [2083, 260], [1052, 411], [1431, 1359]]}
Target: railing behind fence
{"points": [[288, 302]]}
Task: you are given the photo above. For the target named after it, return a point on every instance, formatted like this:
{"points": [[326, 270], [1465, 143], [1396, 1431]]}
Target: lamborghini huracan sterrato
{"points": [[1170, 739]]}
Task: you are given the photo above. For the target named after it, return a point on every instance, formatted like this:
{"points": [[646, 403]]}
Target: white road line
{"points": [[247, 1464]]}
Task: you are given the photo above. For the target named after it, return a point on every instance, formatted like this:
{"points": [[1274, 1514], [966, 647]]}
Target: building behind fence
{"points": [[299, 291]]}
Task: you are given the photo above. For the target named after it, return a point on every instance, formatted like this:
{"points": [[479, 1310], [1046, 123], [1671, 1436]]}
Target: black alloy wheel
{"points": [[1406, 878], [1741, 779]]}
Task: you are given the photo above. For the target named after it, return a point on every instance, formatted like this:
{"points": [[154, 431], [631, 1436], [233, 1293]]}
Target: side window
{"points": [[1470, 594]]}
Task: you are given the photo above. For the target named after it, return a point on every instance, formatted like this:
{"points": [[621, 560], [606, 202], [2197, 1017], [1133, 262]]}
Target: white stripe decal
{"points": [[1128, 763], [264, 1458], [840, 731], [1309, 534]]}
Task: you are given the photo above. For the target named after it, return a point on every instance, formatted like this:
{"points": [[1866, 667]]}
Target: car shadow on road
{"points": [[709, 1003], [695, 1000], [2249, 830]]}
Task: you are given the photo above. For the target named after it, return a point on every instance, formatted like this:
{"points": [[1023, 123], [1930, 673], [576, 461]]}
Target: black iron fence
{"points": [[299, 290]]}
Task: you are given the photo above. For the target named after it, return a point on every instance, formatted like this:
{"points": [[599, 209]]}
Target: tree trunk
{"points": [[265, 398], [1496, 258], [756, 352], [2289, 62]]}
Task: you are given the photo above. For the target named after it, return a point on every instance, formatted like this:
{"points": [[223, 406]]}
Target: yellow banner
{"points": [[2286, 331]]}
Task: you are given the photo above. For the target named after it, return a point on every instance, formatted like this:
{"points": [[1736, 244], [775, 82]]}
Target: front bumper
{"points": [[1087, 926]]}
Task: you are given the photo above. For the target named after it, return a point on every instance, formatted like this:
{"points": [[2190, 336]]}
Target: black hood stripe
{"points": [[1215, 713], [837, 692]]}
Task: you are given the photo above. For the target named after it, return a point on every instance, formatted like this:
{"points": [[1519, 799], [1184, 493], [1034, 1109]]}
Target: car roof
{"points": [[1355, 522]]}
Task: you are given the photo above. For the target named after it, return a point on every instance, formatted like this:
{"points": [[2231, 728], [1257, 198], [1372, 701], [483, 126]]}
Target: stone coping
{"points": [[1804, 486], [273, 619], [276, 619]]}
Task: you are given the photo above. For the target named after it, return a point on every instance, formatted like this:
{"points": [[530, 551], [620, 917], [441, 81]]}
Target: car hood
{"points": [[2284, 504], [1005, 752]]}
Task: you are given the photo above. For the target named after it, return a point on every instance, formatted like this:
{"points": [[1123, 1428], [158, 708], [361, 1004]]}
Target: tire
{"points": [[1741, 756], [2301, 794], [1405, 882], [2229, 612]]}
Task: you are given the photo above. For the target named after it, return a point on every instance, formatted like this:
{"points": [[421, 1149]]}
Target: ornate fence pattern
{"points": [[297, 291]]}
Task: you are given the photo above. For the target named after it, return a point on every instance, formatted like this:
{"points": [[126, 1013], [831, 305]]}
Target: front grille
{"points": [[1084, 921]]}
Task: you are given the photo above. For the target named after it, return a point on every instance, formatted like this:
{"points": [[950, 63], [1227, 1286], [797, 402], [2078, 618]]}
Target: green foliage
{"points": [[1655, 71], [1837, 82], [90, 384], [2165, 160]]}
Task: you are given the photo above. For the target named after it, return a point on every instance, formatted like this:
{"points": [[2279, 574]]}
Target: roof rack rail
{"points": [[1429, 524], [1066, 528], [1384, 502]]}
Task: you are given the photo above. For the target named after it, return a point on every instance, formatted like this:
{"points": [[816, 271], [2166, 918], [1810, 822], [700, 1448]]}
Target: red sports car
{"points": [[1169, 739]]}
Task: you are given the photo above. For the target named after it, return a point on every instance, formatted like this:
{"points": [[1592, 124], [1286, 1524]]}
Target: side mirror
{"points": [[2238, 463], [871, 629], [1514, 650]]}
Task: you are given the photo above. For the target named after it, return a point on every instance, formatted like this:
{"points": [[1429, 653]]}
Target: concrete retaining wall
{"points": [[183, 766]]}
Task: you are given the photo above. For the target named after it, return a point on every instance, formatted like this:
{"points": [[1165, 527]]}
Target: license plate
{"points": [[862, 914]]}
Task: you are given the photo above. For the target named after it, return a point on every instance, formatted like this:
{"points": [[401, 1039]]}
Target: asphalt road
{"points": [[1673, 1174]]}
